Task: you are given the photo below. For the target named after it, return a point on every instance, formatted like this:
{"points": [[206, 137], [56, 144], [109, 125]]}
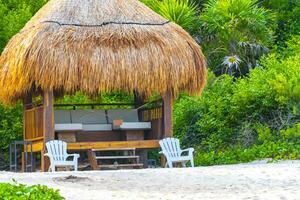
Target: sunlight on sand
{"points": [[244, 181]]}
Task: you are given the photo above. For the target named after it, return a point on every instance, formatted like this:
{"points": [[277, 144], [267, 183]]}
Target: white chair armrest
{"points": [[75, 155], [46, 154], [160, 152], [190, 150]]}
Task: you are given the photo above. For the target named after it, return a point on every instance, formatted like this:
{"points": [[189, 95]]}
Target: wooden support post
{"points": [[27, 104], [48, 126], [167, 115], [92, 160], [138, 101], [167, 119]]}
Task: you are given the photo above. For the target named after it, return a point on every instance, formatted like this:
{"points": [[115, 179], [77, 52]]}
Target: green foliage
{"points": [[273, 150], [284, 146], [115, 97], [264, 133], [235, 27], [182, 12], [23, 192], [245, 113], [10, 126], [292, 133], [79, 98], [13, 16], [287, 18], [201, 119]]}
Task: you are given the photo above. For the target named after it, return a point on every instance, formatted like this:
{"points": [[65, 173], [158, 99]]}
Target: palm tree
{"points": [[234, 29], [182, 12]]}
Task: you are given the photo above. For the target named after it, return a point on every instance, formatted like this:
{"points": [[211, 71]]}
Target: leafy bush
{"points": [[284, 146], [292, 134], [246, 113], [23, 192], [239, 29], [273, 150], [287, 18], [13, 16], [11, 126], [182, 12]]}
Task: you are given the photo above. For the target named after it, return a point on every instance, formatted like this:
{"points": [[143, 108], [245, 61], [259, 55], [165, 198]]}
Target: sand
{"points": [[256, 180]]}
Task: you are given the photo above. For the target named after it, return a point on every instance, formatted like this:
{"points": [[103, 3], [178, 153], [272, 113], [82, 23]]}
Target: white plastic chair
{"points": [[57, 152], [171, 150]]}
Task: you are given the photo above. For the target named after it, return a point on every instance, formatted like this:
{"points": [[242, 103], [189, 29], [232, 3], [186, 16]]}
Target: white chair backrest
{"points": [[170, 147], [57, 150]]}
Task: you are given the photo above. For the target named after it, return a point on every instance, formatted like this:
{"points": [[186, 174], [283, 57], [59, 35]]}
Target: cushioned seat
{"points": [[96, 120], [63, 121], [81, 120], [130, 119], [68, 127], [135, 125], [97, 127], [92, 120]]}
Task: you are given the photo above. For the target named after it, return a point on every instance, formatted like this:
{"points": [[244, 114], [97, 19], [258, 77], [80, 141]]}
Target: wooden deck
{"points": [[139, 144]]}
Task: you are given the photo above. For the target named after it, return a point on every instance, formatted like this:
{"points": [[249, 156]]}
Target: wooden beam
{"points": [[27, 102], [92, 160], [138, 100], [48, 126], [167, 114], [167, 120], [48, 116], [140, 144]]}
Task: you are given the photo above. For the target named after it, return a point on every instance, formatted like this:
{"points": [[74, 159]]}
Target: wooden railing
{"points": [[33, 124], [152, 114]]}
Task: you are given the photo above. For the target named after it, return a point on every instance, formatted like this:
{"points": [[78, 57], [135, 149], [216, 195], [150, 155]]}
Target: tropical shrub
{"points": [[182, 12], [13, 16], [287, 14], [10, 127], [273, 150], [34, 192], [245, 113], [234, 34]]}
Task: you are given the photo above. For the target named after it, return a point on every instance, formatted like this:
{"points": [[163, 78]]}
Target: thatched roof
{"points": [[96, 46]]}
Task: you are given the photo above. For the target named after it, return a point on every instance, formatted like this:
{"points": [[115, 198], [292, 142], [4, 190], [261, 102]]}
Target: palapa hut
{"points": [[94, 47]]}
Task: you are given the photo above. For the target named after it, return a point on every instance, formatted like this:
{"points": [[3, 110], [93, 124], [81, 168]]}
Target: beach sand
{"points": [[256, 180]]}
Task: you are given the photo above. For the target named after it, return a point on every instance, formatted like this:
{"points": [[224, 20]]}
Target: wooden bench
{"points": [[111, 161]]}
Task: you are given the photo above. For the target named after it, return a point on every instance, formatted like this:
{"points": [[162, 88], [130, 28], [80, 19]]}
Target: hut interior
{"points": [[135, 125]]}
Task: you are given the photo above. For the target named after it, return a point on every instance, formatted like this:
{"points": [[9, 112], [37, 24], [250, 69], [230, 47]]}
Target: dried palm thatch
{"points": [[100, 46]]}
